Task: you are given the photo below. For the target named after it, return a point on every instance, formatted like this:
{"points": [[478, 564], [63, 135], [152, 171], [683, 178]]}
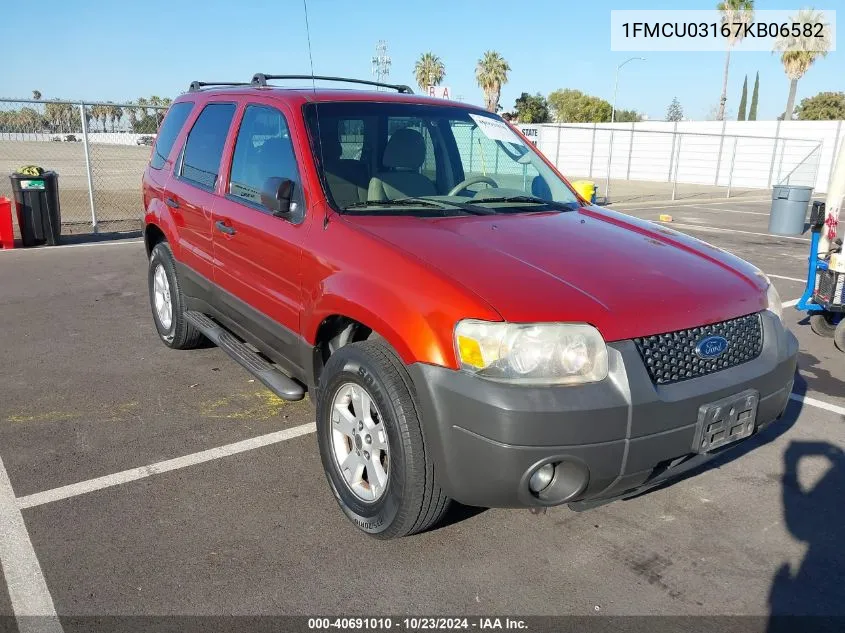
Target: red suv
{"points": [[468, 326]]}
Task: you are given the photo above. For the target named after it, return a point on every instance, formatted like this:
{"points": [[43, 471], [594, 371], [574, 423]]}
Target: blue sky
{"points": [[106, 51]]}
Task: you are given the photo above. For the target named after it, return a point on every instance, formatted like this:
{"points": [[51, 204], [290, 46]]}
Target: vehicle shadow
{"points": [[815, 516]]}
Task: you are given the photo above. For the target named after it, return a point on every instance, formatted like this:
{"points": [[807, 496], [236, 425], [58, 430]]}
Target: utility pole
{"points": [[381, 61], [612, 121]]}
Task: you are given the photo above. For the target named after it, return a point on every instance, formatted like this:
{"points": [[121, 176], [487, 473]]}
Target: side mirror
{"points": [[277, 195]]}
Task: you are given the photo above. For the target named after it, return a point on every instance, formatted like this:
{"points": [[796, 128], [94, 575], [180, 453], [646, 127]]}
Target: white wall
{"points": [[110, 138], [762, 152]]}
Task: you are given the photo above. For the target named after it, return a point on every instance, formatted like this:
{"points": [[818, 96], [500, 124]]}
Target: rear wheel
{"points": [[371, 443], [167, 302], [822, 323]]}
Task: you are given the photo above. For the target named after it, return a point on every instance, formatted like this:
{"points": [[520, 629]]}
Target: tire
{"points": [[839, 336], [411, 500], [822, 324], [177, 333]]}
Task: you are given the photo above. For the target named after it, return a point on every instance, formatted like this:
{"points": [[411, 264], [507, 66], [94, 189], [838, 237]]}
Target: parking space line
{"points": [[134, 474], [787, 278], [817, 403], [704, 227], [31, 601], [790, 303]]}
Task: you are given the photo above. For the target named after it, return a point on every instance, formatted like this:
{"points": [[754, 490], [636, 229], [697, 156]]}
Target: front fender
{"points": [[418, 323]]}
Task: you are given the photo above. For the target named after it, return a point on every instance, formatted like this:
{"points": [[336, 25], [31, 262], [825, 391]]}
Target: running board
{"points": [[283, 386]]}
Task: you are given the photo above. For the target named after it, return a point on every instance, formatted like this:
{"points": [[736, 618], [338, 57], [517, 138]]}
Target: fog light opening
{"points": [[541, 478]]}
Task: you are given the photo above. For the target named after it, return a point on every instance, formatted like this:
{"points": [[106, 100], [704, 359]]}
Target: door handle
{"points": [[170, 202], [221, 226]]}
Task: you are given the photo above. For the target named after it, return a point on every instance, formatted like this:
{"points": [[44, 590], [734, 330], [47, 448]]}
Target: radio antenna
{"points": [[316, 104]]}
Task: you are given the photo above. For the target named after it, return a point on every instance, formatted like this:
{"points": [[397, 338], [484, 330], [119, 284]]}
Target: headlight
{"points": [[535, 353], [773, 302]]}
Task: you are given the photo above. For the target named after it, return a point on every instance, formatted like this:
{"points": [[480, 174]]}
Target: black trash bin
{"points": [[37, 208]]}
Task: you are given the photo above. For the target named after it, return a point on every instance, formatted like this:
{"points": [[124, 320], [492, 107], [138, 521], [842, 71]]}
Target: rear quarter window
{"points": [[169, 130]]}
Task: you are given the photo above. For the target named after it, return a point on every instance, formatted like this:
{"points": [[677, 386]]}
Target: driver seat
{"points": [[403, 157]]}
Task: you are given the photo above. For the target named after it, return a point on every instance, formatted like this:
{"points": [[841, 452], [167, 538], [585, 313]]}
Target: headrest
{"points": [[332, 148], [405, 150]]}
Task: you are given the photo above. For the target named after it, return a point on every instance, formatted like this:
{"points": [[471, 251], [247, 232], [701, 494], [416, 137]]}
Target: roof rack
{"points": [[198, 85], [260, 80]]}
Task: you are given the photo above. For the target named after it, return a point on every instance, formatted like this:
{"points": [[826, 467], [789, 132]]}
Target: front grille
{"points": [[672, 357]]}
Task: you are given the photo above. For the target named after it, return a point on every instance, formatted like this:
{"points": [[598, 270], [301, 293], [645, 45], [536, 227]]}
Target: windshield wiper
{"points": [[399, 202], [421, 202], [469, 208], [563, 206]]}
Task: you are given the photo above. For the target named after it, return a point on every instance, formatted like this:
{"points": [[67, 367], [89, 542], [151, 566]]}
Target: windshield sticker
{"points": [[496, 130]]}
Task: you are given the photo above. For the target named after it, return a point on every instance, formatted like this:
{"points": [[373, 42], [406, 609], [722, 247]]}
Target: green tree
{"points": [[429, 70], [29, 120], [114, 114], [675, 112], [36, 94], [573, 106], [825, 106], [531, 108], [491, 73], [743, 101], [628, 116], [799, 53], [755, 95], [733, 12]]}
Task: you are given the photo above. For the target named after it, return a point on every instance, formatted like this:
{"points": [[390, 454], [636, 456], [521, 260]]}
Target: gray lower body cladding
{"points": [[615, 437]]}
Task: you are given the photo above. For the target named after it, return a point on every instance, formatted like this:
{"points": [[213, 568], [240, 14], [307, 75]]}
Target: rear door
{"points": [[192, 187], [256, 254]]}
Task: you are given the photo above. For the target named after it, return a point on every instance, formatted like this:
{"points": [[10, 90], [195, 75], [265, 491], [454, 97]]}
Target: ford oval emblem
{"points": [[711, 347]]}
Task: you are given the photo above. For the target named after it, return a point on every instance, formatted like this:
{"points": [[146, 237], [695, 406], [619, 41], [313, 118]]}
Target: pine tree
{"points": [[675, 112], [743, 100], [752, 113]]}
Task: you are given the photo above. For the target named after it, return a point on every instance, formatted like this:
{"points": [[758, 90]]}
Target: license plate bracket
{"points": [[726, 421]]}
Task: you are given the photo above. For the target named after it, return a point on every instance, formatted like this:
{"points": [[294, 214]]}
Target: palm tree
{"points": [[36, 94], [734, 13], [491, 73], [429, 70], [115, 113], [799, 53]]}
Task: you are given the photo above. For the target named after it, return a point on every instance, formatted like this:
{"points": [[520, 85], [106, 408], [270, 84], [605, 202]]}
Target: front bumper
{"points": [[613, 437]]}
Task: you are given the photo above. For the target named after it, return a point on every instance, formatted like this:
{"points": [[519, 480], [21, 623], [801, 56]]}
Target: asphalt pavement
{"points": [[90, 393]]}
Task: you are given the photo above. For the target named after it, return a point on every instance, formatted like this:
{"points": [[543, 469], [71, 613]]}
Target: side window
{"points": [[169, 130], [263, 150], [204, 147]]}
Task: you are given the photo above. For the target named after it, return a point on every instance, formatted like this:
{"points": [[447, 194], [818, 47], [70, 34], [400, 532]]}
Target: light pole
{"points": [[612, 121]]}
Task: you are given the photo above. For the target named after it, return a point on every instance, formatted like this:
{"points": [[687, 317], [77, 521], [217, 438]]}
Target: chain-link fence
{"points": [[99, 158]]}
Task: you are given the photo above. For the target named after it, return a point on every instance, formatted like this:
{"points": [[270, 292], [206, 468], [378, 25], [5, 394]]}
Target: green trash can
{"points": [[789, 209], [37, 207]]}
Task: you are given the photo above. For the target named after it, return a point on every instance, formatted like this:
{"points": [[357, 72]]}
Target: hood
{"points": [[625, 276]]}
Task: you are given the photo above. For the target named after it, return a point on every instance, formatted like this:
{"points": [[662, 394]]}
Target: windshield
{"points": [[401, 158]]}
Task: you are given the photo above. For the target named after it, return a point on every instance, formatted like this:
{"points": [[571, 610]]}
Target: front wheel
{"points": [[371, 443]]}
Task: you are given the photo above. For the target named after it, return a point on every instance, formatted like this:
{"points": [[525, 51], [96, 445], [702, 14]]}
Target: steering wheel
{"points": [[471, 181]]}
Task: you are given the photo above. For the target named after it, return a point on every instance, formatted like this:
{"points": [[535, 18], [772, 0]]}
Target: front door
{"points": [[257, 254]]}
